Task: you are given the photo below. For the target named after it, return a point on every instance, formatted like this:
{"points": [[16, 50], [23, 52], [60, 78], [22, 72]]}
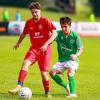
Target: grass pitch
{"points": [[87, 76]]}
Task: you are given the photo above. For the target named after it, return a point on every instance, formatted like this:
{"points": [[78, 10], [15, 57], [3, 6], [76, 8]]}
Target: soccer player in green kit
{"points": [[69, 47]]}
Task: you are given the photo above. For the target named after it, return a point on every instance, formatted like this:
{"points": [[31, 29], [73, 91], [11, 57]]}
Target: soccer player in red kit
{"points": [[41, 32]]}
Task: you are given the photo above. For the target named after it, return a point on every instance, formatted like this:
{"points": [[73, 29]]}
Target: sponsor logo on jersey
{"points": [[38, 35], [65, 48]]}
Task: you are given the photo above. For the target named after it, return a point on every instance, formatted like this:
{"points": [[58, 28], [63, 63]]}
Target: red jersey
{"points": [[39, 32]]}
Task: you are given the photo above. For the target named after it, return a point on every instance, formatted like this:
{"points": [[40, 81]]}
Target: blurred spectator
{"points": [[92, 17], [18, 16], [5, 15], [66, 5]]}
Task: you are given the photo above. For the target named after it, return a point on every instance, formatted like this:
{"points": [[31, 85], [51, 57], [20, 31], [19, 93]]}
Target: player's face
{"points": [[65, 28], [36, 13]]}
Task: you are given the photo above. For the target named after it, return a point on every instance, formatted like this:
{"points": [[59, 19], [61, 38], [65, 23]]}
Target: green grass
{"points": [[87, 76]]}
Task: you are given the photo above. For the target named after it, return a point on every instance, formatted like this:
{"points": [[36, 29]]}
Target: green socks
{"points": [[72, 84], [59, 81]]}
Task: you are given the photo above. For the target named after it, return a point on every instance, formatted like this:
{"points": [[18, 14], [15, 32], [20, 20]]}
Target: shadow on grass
{"points": [[8, 96], [37, 95], [53, 95], [59, 95]]}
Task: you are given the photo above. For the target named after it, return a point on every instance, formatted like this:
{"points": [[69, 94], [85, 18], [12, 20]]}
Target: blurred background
{"points": [[79, 10]]}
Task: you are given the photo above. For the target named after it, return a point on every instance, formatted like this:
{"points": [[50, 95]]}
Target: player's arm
{"points": [[79, 52], [79, 45], [53, 36], [22, 36]]}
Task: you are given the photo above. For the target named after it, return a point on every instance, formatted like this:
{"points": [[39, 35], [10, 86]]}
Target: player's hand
{"points": [[15, 46], [44, 47], [73, 57]]}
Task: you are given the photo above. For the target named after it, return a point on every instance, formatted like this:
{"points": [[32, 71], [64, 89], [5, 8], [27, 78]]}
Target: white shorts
{"points": [[62, 66]]}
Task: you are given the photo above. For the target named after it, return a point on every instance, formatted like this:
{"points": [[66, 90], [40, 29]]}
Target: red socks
{"points": [[22, 75], [46, 85]]}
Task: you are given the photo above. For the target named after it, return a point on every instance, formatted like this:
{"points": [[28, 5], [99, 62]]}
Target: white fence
{"points": [[82, 28]]}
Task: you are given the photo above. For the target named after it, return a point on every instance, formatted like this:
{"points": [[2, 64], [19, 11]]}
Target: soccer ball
{"points": [[25, 93]]}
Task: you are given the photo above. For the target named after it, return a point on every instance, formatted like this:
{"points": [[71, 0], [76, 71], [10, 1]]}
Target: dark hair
{"points": [[65, 20], [34, 5]]}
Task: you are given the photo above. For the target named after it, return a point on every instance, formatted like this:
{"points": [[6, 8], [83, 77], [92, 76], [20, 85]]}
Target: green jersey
{"points": [[67, 45]]}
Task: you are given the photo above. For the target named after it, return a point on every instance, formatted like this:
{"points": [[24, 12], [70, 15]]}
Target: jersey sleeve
{"points": [[79, 43], [50, 25], [58, 32], [25, 31]]}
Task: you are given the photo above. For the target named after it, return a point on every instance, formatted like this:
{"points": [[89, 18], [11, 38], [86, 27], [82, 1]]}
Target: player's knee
{"points": [[44, 75], [70, 73], [52, 72], [26, 65]]}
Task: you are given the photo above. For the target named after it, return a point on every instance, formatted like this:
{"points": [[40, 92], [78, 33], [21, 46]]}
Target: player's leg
{"points": [[44, 61], [54, 74], [72, 82], [72, 67], [22, 75], [46, 83], [58, 69], [29, 59], [23, 72]]}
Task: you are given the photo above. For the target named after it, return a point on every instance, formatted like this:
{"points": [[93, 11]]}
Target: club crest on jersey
{"points": [[39, 26], [72, 41], [31, 28], [62, 38]]}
